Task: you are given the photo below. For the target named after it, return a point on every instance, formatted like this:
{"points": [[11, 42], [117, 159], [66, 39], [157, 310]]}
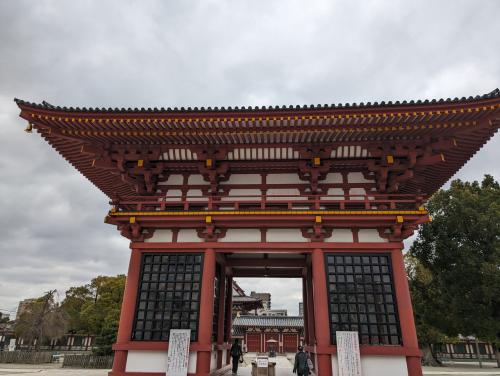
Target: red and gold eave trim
{"points": [[265, 212], [268, 218]]}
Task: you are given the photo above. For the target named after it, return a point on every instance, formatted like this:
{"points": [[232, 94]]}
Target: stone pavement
{"points": [[284, 369]]}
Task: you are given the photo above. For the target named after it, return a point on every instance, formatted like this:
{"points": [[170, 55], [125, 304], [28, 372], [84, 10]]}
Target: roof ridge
{"points": [[45, 105]]}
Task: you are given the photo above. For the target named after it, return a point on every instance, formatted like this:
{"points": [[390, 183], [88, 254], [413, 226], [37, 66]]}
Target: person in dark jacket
{"points": [[236, 353], [300, 366]]}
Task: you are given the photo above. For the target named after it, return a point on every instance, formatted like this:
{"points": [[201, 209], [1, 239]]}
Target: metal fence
{"points": [[87, 361], [26, 357]]}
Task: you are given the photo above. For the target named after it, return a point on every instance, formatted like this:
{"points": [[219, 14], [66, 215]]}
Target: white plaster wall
{"points": [[193, 357], [160, 236], [333, 177], [188, 235], [370, 235], [173, 195], [285, 235], [293, 192], [340, 235], [283, 179], [357, 177], [338, 192], [357, 192], [173, 180], [242, 235], [244, 179], [196, 195], [372, 365], [213, 360], [196, 179], [153, 361], [256, 193]]}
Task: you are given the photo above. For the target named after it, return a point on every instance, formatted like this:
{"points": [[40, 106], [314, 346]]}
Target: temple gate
{"points": [[322, 193]]}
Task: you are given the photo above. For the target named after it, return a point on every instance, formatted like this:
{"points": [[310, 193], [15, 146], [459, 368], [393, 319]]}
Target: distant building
{"points": [[23, 307], [4, 316], [274, 312], [282, 334], [265, 297], [243, 304], [301, 309]]}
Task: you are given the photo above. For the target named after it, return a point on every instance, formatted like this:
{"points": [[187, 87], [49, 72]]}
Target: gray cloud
{"points": [[210, 53]]}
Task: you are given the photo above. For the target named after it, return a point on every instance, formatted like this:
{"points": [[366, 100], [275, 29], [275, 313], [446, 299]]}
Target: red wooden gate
{"points": [[290, 342], [253, 342]]}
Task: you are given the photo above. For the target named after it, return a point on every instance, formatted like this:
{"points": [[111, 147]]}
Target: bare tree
{"points": [[42, 319]]}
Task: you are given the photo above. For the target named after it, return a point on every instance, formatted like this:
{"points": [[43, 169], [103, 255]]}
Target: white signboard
{"points": [[12, 344], [348, 354], [262, 362], [178, 352]]}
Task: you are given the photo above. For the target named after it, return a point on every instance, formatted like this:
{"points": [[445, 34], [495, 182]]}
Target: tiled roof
{"points": [[47, 106], [244, 299], [269, 321]]}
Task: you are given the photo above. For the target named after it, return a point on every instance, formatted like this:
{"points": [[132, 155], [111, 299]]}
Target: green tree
{"points": [[95, 309], [454, 265], [43, 319], [76, 299]]}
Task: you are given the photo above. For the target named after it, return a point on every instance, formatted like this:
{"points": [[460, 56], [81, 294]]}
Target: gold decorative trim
{"points": [[269, 212]]}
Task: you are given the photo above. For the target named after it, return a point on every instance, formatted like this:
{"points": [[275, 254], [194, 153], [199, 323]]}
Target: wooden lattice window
{"points": [[362, 297], [168, 296]]}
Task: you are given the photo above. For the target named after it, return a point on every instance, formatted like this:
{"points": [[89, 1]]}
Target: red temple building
{"points": [[325, 193]]}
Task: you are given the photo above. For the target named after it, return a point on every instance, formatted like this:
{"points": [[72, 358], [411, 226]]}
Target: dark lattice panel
{"points": [[217, 297], [227, 307], [168, 296], [362, 297]]}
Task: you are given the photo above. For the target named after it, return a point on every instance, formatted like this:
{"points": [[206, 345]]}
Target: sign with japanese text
{"points": [[348, 354], [178, 352]]}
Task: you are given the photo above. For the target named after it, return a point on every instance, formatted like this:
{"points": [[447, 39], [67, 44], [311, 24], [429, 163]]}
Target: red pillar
{"points": [[405, 309], [127, 312], [310, 308], [206, 314], [321, 320], [304, 310], [229, 313], [220, 325]]}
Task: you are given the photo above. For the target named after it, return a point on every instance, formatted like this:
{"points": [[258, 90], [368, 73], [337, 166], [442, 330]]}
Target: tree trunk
{"points": [[428, 357], [497, 355]]}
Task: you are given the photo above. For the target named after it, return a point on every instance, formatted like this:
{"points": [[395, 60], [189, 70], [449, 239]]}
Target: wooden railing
{"points": [[271, 202]]}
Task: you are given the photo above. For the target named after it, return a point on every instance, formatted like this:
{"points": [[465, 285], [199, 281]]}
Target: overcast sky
{"points": [[204, 53]]}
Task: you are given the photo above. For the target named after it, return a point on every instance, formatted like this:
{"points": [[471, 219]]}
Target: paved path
{"points": [[284, 368]]}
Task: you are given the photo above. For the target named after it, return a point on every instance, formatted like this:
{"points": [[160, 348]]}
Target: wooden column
{"points": [[206, 314], [310, 308], [127, 312], [321, 319], [405, 310], [220, 325], [229, 313], [304, 310]]}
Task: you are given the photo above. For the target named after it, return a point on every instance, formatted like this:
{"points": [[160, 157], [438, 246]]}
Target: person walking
{"points": [[236, 354], [301, 366]]}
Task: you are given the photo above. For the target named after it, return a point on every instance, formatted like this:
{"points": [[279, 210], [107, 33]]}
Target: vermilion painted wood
{"points": [[222, 312], [405, 311], [258, 247], [321, 319], [127, 311], [206, 313], [310, 307]]}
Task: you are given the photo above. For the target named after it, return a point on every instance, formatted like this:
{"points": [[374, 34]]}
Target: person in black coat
{"points": [[300, 366], [236, 353]]}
